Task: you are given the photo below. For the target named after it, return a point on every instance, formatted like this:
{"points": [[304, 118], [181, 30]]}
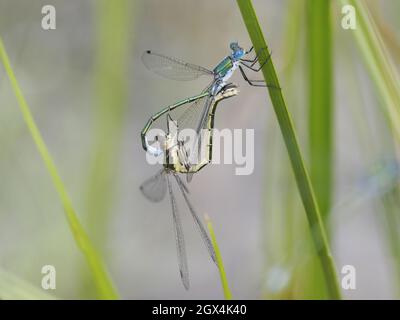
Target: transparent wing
{"points": [[195, 118], [196, 219], [173, 68], [187, 116], [180, 241], [202, 125], [155, 187], [198, 150], [191, 116]]}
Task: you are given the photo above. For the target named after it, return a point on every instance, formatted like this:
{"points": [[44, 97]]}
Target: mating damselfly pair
{"points": [[197, 113]]}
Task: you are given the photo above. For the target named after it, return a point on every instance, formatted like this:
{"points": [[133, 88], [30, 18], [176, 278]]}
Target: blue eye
{"points": [[238, 54]]}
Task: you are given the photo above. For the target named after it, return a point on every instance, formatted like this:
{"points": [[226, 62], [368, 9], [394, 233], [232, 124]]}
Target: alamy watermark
{"points": [[349, 277], [49, 18], [226, 146], [49, 278], [349, 20]]}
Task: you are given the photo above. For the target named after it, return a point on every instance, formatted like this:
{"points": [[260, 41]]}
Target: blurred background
{"points": [[91, 95]]}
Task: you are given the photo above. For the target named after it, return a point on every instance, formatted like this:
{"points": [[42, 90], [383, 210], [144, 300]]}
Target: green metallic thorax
{"points": [[223, 67]]}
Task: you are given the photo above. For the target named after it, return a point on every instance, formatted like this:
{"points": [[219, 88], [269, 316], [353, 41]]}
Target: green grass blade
{"points": [[292, 35], [385, 76], [320, 99], [111, 91], [103, 283], [224, 280], [303, 181], [320, 122], [383, 73], [14, 288], [391, 203]]}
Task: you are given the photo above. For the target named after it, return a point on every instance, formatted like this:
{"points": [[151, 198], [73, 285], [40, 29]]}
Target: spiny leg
{"points": [[256, 83], [250, 50], [257, 59], [256, 56]]}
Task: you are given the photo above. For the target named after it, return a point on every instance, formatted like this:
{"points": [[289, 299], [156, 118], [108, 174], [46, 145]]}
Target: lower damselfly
{"points": [[175, 162]]}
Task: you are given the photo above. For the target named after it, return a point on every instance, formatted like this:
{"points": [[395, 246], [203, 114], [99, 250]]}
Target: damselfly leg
{"points": [[255, 83], [250, 50], [255, 59]]}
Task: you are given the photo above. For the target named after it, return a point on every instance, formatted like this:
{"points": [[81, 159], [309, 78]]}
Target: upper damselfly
{"points": [[194, 111]]}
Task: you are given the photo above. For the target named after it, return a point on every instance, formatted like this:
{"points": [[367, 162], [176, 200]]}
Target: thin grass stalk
{"points": [[113, 30], [14, 288], [380, 66], [320, 122], [386, 78], [320, 97], [111, 90], [391, 203], [280, 213], [303, 181], [105, 288], [372, 150], [221, 269]]}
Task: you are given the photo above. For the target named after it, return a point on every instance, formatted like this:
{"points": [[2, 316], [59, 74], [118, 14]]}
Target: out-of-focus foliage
{"points": [[90, 96]]}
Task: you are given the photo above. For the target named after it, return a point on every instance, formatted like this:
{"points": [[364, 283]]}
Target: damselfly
{"points": [[198, 107], [175, 161]]}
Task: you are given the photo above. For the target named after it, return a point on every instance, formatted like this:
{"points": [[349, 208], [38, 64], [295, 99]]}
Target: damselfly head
{"points": [[237, 51]]}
